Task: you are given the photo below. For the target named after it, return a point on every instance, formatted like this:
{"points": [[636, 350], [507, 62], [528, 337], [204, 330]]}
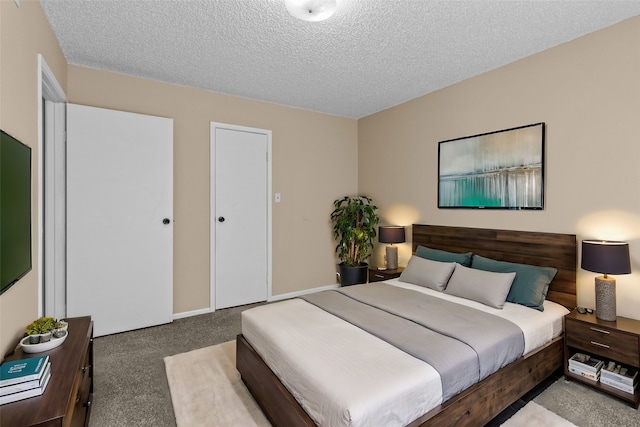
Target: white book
{"points": [[26, 393], [584, 374], [26, 385]]}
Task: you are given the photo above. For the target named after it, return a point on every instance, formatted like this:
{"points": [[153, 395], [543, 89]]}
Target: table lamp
{"points": [[391, 235], [606, 257]]}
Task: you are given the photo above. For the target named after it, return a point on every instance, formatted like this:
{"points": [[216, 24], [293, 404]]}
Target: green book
{"points": [[17, 371]]}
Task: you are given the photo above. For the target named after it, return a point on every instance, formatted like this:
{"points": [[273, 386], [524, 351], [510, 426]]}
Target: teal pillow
{"points": [[530, 285], [444, 256]]}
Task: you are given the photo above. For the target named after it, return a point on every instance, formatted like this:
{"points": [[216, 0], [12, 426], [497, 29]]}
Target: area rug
{"points": [[534, 415], [206, 389]]}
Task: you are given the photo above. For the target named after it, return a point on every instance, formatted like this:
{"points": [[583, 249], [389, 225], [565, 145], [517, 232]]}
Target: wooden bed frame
{"points": [[481, 402]]}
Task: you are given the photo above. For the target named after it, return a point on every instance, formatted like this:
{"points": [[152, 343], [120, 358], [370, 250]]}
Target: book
{"points": [[25, 394], [17, 371], [585, 362], [26, 385], [585, 374], [618, 385]]}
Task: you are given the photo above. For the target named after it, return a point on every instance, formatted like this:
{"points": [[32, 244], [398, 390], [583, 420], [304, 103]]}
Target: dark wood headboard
{"points": [[524, 247]]}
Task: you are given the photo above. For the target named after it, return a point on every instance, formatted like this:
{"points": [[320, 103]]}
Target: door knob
{"points": [[220, 219], [166, 221]]}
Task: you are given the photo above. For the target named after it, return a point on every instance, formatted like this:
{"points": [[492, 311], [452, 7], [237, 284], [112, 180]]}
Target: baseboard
{"points": [[270, 299], [191, 313], [300, 293]]}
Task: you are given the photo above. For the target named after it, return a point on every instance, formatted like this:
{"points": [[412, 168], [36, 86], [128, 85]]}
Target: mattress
{"points": [[343, 376]]}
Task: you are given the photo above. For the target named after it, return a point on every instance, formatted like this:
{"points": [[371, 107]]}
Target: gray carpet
{"points": [[586, 407], [130, 383], [131, 389]]}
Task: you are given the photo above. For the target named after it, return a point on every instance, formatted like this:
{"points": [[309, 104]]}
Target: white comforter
{"points": [[343, 376]]}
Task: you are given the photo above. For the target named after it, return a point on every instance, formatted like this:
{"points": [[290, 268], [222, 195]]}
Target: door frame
{"points": [[212, 207], [52, 222]]}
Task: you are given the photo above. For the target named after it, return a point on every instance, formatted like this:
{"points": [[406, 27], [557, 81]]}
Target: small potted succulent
{"points": [[41, 329], [60, 328]]}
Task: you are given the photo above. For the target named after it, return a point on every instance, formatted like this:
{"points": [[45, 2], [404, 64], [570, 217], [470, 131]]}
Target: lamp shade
{"points": [[606, 257], [391, 234]]}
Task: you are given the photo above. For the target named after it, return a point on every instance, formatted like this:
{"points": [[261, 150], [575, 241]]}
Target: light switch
{"points": [[277, 197]]}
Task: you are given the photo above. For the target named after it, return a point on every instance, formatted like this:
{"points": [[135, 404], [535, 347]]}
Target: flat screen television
{"points": [[15, 210]]}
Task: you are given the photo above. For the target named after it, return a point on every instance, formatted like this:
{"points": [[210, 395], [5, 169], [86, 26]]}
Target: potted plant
{"points": [[60, 328], [33, 330], [41, 329], [354, 222]]}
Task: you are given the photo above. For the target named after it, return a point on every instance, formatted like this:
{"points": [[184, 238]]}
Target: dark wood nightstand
{"points": [[376, 275], [617, 341]]}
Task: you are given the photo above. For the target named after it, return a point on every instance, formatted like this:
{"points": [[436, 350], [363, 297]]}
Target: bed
{"points": [[476, 404]]}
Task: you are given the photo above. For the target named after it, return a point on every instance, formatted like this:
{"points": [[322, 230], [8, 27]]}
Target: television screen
{"points": [[15, 210]]}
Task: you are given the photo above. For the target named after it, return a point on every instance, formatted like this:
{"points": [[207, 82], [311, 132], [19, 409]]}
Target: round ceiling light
{"points": [[311, 10]]}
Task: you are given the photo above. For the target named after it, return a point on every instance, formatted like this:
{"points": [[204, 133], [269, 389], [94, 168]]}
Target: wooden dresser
{"points": [[66, 401]]}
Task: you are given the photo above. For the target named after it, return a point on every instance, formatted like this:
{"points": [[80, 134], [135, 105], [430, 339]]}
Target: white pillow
{"points": [[485, 287], [427, 273]]}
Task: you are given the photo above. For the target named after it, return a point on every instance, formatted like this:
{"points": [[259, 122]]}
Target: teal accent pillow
{"points": [[444, 256], [530, 285]]}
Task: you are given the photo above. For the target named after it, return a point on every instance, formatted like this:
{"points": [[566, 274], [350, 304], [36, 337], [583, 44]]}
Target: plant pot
{"points": [[59, 332], [34, 339], [353, 275], [46, 337]]}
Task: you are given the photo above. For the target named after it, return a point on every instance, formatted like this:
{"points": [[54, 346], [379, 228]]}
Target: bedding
{"points": [[530, 285], [444, 256], [478, 285], [464, 345], [428, 273], [344, 375]]}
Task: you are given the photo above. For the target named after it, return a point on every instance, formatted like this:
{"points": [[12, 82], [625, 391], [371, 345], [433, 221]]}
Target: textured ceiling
{"points": [[369, 56]]}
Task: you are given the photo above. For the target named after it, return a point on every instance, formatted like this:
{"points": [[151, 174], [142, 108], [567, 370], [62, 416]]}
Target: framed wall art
{"points": [[496, 170]]}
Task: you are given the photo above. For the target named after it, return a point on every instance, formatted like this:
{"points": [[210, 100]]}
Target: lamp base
{"points": [[392, 257], [606, 298]]}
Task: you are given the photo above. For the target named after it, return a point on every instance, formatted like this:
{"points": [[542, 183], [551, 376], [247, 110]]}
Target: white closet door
{"points": [[240, 244], [119, 218]]}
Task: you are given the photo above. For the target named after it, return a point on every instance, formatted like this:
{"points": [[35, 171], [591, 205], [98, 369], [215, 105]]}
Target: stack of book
{"points": [[619, 376], [586, 366], [21, 379]]}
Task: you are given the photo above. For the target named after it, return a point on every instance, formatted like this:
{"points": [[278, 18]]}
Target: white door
{"points": [[240, 215], [119, 218]]}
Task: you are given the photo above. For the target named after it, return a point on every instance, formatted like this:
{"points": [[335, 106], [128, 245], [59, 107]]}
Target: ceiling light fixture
{"points": [[311, 10]]}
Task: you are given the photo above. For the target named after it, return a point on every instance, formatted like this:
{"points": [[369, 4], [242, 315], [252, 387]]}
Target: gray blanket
{"points": [[463, 344]]}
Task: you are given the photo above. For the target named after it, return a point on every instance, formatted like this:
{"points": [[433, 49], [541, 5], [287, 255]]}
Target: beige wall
{"points": [[588, 93], [314, 162], [24, 32]]}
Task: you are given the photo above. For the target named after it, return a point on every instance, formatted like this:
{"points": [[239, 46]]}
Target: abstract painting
{"points": [[496, 170]]}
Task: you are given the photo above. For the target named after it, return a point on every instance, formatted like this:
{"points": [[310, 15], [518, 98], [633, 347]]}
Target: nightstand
{"points": [[376, 275], [617, 341]]}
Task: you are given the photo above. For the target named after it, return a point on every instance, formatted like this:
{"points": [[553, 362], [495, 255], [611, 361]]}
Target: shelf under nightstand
{"points": [[618, 341]]}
